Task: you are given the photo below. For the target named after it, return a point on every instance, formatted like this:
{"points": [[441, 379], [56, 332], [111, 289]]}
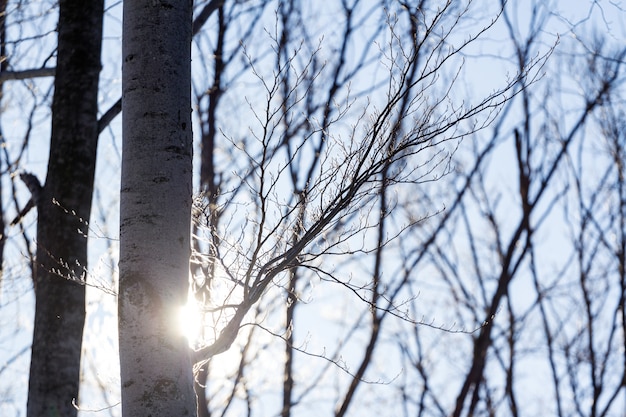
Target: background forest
{"points": [[399, 208]]}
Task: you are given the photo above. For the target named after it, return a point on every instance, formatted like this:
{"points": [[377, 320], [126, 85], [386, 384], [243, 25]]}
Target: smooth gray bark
{"points": [[64, 206], [155, 216]]}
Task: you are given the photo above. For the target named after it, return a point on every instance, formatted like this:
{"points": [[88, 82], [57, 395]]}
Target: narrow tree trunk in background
{"points": [[155, 216], [4, 63], [64, 205]]}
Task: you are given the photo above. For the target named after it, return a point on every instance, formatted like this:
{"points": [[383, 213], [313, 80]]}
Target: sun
{"points": [[190, 321]]}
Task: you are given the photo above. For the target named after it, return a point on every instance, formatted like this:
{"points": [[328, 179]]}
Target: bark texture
{"points": [[64, 205], [4, 64], [155, 208]]}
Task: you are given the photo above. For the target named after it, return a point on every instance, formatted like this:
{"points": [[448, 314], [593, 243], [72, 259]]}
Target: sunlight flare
{"points": [[190, 321]]}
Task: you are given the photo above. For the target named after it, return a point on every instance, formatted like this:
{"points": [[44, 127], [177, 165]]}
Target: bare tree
{"points": [[511, 266], [483, 253], [64, 204], [587, 361], [225, 41], [155, 209], [315, 191]]}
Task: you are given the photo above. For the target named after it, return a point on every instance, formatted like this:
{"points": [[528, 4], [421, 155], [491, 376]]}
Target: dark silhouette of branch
{"points": [[26, 74]]}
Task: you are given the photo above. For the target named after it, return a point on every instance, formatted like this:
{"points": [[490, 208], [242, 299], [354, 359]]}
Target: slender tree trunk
{"points": [[4, 64], [155, 216], [64, 206]]}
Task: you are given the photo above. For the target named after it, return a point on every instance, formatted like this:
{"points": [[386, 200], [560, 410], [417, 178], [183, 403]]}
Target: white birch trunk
{"points": [[155, 208]]}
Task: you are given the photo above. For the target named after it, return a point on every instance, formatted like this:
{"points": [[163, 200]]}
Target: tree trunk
{"points": [[64, 206], [155, 216], [4, 64]]}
